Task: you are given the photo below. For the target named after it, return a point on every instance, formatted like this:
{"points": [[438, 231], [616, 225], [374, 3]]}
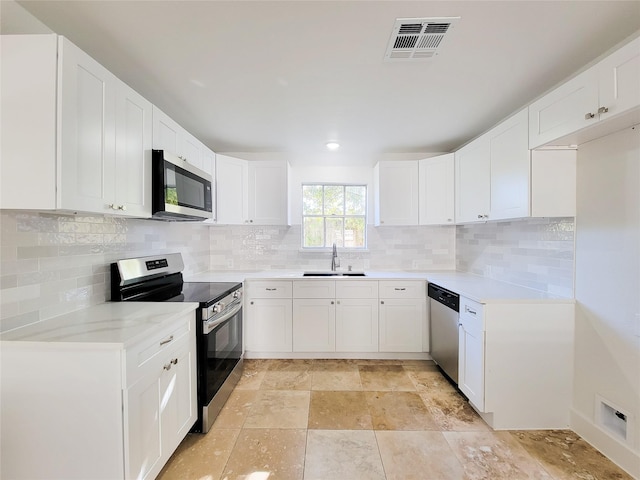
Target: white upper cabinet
{"points": [[553, 183], [509, 167], [252, 193], [396, 193], [86, 133], [169, 135], [606, 90], [437, 190], [268, 193], [472, 179]]}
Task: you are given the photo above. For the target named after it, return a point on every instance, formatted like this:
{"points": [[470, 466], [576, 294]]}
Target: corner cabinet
{"points": [[85, 132], [437, 190], [396, 193], [606, 91], [472, 181], [98, 410]]}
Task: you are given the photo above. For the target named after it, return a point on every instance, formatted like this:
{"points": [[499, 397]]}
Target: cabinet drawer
{"points": [[356, 289], [269, 289], [403, 289], [472, 313], [150, 353], [314, 289]]}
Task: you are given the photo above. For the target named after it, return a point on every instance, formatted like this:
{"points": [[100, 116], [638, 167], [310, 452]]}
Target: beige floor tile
{"points": [[267, 454], [236, 409], [330, 365], [339, 411], [385, 378], [427, 381], [342, 455], [251, 378], [201, 456], [494, 456], [286, 380], [420, 366], [279, 409], [418, 456], [256, 364], [452, 412], [566, 456], [399, 411], [291, 365], [336, 380]]}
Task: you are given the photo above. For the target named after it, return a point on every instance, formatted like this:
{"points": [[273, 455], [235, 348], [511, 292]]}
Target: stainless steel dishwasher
{"points": [[444, 306]]}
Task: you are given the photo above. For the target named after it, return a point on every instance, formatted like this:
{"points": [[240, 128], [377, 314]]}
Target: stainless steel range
{"points": [[218, 322]]}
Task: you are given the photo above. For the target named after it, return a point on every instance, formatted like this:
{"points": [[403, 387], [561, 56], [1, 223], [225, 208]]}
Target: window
{"points": [[334, 213]]}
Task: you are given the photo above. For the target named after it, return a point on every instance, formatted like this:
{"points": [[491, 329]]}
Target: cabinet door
{"points": [[568, 108], [231, 189], [437, 190], [87, 105], [178, 393], [190, 148], [269, 325], [401, 324], [472, 181], [314, 325], [357, 325], [397, 195], [165, 132], [143, 440], [510, 166], [268, 193], [619, 80], [133, 153], [471, 362]]}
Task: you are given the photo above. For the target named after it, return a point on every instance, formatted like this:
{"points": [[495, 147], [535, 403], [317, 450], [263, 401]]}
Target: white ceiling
{"points": [[288, 76]]}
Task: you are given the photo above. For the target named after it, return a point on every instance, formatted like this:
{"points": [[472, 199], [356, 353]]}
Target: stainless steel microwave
{"points": [[179, 190]]}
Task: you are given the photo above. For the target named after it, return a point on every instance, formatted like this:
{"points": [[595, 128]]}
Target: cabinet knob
{"points": [[603, 110], [122, 207], [251, 302], [589, 116], [112, 206], [381, 302], [332, 302], [480, 217], [449, 219]]}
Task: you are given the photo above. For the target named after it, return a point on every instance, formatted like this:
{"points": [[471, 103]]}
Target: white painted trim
{"points": [[616, 451]]}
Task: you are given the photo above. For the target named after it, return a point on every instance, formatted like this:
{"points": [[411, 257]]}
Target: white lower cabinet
{"points": [[314, 325], [357, 324], [268, 316], [402, 315], [515, 362], [471, 352], [98, 411]]}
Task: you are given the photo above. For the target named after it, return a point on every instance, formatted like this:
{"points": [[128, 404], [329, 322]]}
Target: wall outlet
{"points": [[415, 265], [229, 262]]}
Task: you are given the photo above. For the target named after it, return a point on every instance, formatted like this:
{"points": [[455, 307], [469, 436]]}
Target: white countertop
{"points": [[107, 325], [480, 289]]}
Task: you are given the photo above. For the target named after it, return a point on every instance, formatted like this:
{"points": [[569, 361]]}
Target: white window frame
{"points": [[363, 216]]}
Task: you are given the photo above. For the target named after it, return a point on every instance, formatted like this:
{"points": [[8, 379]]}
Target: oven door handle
{"points": [[210, 325]]}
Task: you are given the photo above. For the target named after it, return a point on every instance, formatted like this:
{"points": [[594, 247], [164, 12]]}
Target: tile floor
{"points": [[369, 419]]}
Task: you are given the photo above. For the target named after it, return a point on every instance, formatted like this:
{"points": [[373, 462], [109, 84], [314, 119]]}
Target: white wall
{"points": [[607, 353]]}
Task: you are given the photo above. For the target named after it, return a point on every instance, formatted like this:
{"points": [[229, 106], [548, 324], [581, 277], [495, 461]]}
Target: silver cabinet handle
{"points": [[400, 289], [589, 116], [122, 207], [271, 289], [164, 342], [167, 367], [603, 110], [468, 310]]}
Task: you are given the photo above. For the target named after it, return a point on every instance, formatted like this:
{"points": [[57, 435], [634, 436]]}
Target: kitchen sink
{"points": [[333, 274]]}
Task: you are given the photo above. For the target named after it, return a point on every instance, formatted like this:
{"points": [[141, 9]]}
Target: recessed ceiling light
{"points": [[333, 145]]}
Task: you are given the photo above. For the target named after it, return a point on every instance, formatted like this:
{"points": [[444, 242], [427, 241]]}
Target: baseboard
{"points": [[616, 451]]}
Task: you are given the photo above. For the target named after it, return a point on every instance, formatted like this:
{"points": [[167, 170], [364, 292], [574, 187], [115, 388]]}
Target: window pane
{"points": [[313, 232], [334, 231], [354, 232], [312, 199], [355, 200], [334, 200]]}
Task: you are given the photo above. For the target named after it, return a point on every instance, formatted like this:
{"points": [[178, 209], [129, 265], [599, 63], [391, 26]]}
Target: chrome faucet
{"points": [[335, 261]]}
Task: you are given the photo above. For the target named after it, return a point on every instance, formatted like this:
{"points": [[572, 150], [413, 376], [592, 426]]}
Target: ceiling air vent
{"points": [[417, 38]]}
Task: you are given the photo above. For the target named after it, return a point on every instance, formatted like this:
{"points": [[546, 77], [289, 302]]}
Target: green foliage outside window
{"points": [[334, 214]]}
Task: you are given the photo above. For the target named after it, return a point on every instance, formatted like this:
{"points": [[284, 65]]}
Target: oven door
{"points": [[219, 362]]}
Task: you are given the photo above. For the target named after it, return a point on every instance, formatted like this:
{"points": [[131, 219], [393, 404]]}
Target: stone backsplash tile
{"points": [[52, 264], [536, 253]]}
